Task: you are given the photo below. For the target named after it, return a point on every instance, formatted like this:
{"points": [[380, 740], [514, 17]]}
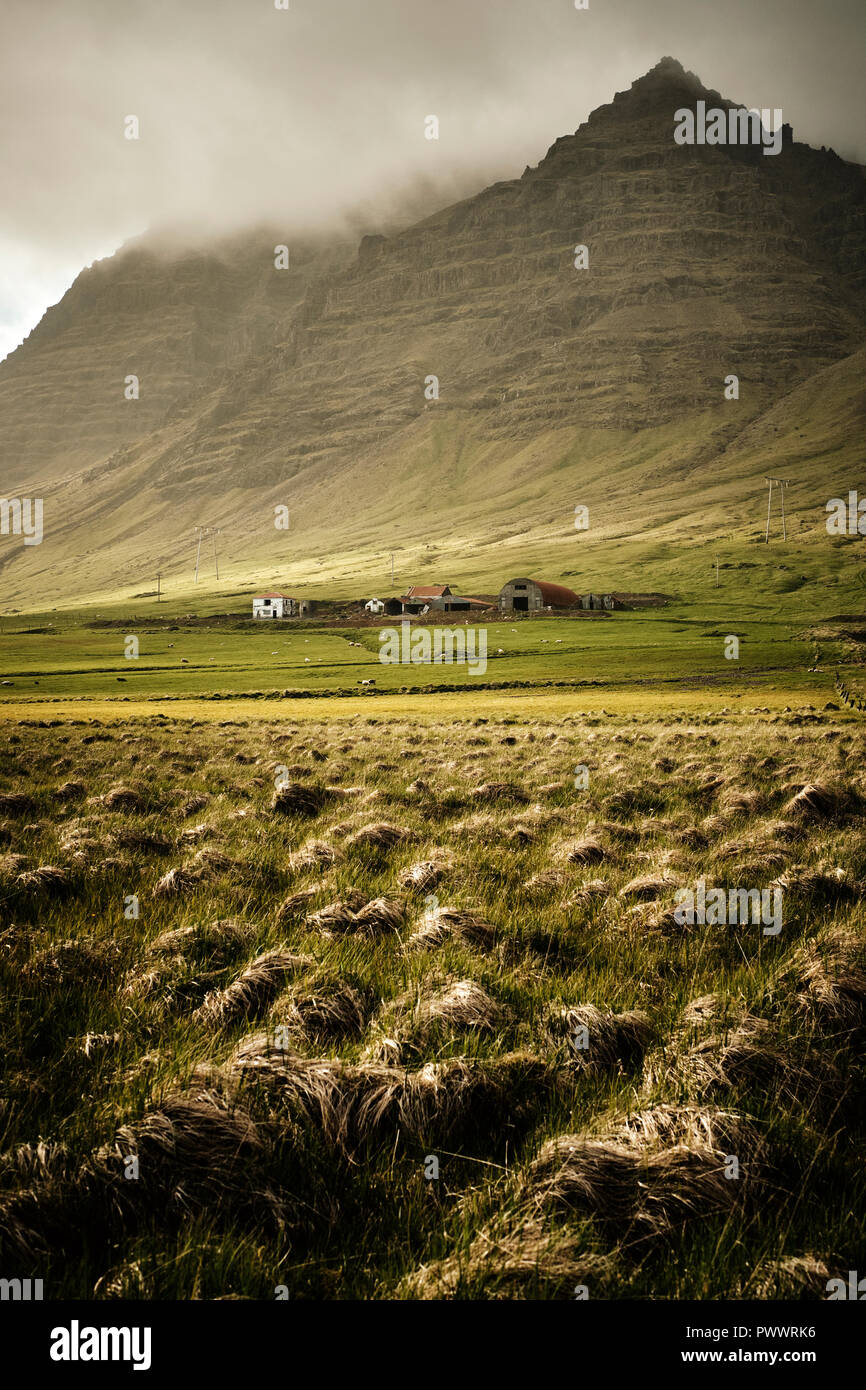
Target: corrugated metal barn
{"points": [[532, 595]]}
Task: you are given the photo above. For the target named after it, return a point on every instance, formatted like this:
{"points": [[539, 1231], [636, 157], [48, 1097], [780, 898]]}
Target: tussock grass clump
{"points": [[353, 914], [459, 1005], [194, 833], [753, 1054], [426, 874], [542, 884], [593, 892], [315, 854], [648, 886], [418, 788], [220, 939], [786, 830], [17, 804], [823, 801], [745, 847], [210, 862], [146, 982], [586, 851], [831, 885], [724, 1131], [794, 1276], [71, 963], [292, 908], [736, 802], [702, 1009], [177, 883], [36, 1181], [194, 1153], [357, 1104], [828, 980], [69, 791], [345, 1103], [253, 990], [12, 864], [508, 1260], [379, 836], [123, 798], [434, 927], [616, 830], [655, 919], [600, 1040], [653, 1173], [146, 842], [379, 915], [337, 916], [33, 1163], [300, 799], [491, 793], [48, 879], [324, 1009]]}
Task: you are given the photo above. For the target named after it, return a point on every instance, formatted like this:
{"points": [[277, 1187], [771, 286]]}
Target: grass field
{"points": [[379, 991], [367, 952], [73, 657]]}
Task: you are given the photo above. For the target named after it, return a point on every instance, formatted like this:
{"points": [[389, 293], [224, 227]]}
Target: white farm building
{"points": [[273, 606]]}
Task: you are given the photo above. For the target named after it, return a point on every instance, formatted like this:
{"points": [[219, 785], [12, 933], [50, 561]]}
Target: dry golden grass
{"points": [[444, 950]]}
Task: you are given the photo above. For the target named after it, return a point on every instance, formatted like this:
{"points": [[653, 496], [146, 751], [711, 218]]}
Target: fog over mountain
{"points": [[313, 117]]}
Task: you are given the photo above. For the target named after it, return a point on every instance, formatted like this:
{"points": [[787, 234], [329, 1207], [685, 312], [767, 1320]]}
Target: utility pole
{"points": [[214, 535], [392, 567], [213, 532], [158, 587], [781, 484], [717, 571]]}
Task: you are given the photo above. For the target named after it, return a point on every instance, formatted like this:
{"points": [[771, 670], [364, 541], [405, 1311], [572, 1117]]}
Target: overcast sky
{"points": [[248, 113]]}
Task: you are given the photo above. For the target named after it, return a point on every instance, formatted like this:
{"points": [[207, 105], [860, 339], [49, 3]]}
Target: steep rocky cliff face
{"points": [[703, 261], [177, 318]]}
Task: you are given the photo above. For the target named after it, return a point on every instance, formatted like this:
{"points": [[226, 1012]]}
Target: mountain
{"points": [[557, 385], [175, 316]]}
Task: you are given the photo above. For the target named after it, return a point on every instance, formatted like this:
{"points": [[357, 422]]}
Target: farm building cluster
{"points": [[517, 596]]}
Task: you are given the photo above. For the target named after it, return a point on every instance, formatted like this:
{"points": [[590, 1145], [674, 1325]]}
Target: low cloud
{"points": [[314, 116]]}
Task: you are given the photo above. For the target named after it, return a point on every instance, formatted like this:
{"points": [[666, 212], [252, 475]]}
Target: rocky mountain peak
{"points": [[667, 85]]}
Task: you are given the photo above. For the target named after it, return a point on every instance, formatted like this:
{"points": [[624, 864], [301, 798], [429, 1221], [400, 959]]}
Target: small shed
{"points": [[374, 605], [422, 597], [532, 595], [606, 602]]}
